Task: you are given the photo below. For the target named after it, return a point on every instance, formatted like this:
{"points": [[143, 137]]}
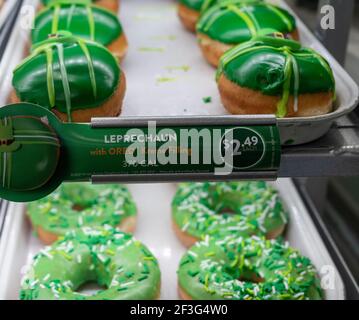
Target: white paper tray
{"points": [[157, 86], [18, 245]]}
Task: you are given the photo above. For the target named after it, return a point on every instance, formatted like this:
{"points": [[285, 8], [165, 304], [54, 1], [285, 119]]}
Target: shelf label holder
{"points": [[134, 150]]}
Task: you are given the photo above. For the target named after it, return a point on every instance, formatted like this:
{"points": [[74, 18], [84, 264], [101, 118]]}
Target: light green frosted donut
{"points": [[113, 259], [242, 208], [252, 268], [75, 205]]}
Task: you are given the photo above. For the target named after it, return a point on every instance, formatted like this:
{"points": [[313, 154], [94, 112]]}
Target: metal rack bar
{"points": [[336, 154]]}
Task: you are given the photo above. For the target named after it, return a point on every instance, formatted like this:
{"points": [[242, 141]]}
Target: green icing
{"points": [[243, 208], [67, 73], [192, 4], [203, 5], [251, 268], [236, 22], [277, 67], [85, 21], [27, 140], [75, 205], [207, 4], [115, 260]]}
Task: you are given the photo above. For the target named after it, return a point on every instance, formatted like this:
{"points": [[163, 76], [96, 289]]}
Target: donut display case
{"points": [[20, 245], [108, 65]]}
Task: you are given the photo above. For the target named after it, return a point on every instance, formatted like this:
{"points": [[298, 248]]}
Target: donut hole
{"points": [[227, 211], [244, 274], [90, 288], [254, 278], [78, 207]]}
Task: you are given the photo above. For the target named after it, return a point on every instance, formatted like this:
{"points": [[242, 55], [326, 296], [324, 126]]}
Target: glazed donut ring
{"points": [[251, 268], [113, 259], [75, 205], [242, 208]]}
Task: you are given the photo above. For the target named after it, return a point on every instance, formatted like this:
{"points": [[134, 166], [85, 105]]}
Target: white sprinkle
{"points": [[127, 284], [185, 227], [297, 295], [47, 277], [191, 253]]}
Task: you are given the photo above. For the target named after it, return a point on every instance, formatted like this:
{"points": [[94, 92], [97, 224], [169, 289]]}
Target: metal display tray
{"points": [[167, 75], [18, 245]]}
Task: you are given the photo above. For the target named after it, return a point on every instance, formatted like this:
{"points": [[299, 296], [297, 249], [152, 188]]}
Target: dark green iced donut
{"points": [[252, 268], [27, 142], [190, 11], [67, 74], [192, 4], [233, 23], [242, 208], [83, 20], [75, 205], [278, 67], [112, 5], [203, 5], [113, 259]]}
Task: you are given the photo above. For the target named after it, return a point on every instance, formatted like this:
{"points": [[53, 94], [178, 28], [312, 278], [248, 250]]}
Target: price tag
{"points": [[36, 145]]}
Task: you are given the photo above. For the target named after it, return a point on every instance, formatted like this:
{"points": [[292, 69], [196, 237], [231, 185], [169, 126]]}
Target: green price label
{"points": [[38, 152]]}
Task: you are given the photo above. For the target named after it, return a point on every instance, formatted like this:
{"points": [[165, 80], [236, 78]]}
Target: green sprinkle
{"points": [[184, 68], [65, 255], [122, 289], [146, 269], [149, 258], [207, 99], [142, 278], [165, 79], [192, 273], [148, 49], [209, 254], [169, 37], [110, 252]]}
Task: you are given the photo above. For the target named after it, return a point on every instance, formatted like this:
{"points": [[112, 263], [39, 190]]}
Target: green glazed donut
{"points": [[207, 4], [292, 80], [76, 205], [113, 259], [75, 78], [189, 11], [241, 208], [112, 5], [252, 268], [84, 20], [193, 4], [27, 141], [203, 5], [231, 23]]}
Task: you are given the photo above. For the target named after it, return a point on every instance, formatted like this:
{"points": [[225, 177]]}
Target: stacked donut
{"points": [[236, 250], [73, 66], [73, 69], [262, 69]]}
